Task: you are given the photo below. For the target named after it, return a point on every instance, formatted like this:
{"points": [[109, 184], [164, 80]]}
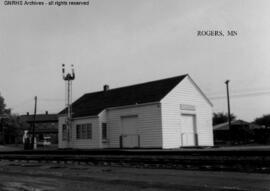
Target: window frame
{"points": [[84, 131], [78, 131], [89, 131], [104, 126], [64, 132]]}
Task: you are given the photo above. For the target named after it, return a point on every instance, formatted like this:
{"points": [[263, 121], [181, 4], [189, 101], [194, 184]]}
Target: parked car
{"points": [[45, 142]]}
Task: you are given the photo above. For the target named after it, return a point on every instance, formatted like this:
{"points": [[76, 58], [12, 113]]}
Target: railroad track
{"points": [[247, 161]]}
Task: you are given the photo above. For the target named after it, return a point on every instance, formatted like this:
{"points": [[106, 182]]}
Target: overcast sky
{"points": [[124, 42]]}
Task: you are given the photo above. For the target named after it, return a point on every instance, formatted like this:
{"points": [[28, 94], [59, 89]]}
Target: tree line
{"points": [[10, 125], [221, 117]]}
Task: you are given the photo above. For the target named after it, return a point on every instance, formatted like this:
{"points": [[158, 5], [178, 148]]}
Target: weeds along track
{"points": [[243, 161]]}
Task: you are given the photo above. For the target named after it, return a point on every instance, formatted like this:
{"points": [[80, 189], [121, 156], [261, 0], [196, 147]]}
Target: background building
{"points": [[46, 125], [241, 132]]}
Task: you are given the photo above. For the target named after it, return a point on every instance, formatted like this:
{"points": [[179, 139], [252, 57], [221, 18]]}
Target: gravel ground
{"points": [[18, 176], [223, 148], [11, 147]]}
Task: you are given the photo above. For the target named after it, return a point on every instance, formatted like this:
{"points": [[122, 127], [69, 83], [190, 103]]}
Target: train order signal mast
{"points": [[68, 78]]}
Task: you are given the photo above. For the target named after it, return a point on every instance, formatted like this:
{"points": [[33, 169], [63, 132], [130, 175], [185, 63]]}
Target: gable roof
{"points": [[199, 89], [93, 103]]}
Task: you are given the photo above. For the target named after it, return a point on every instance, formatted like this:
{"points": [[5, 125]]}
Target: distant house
{"points": [[167, 113], [46, 125], [241, 132]]}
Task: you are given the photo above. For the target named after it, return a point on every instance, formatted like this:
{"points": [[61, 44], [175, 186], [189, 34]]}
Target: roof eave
{"points": [[207, 99]]}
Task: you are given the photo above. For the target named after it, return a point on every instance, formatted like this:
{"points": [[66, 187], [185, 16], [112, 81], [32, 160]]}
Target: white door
{"points": [[188, 130], [129, 132]]}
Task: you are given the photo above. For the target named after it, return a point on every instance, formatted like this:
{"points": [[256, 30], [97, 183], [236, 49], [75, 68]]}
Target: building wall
{"points": [[61, 143], [103, 119], [185, 93], [81, 143], [159, 124], [86, 143], [149, 124]]}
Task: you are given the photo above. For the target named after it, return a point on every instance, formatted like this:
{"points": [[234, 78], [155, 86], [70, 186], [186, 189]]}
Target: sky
{"points": [[124, 42]]}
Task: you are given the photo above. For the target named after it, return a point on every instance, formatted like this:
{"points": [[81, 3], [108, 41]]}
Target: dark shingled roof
{"points": [[91, 104], [40, 118]]}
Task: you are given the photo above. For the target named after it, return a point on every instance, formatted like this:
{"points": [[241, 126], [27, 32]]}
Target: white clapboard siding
{"points": [[86, 143], [186, 93], [81, 143], [61, 143], [103, 119], [149, 124]]}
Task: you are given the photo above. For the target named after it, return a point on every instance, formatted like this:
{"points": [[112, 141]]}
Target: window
{"points": [[84, 131], [64, 132], [78, 131], [104, 131], [89, 131]]}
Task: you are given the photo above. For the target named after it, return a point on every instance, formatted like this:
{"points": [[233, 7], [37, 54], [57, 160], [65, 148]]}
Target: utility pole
{"points": [[228, 102], [68, 78], [34, 124]]}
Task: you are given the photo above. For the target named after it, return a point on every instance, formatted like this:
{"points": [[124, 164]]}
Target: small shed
{"points": [[166, 113]]}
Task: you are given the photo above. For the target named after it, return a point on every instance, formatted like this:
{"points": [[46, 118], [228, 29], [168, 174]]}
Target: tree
{"points": [[222, 118], [9, 124], [2, 105], [3, 109], [263, 121]]}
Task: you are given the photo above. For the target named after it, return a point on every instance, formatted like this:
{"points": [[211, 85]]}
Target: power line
{"points": [[238, 91], [242, 95]]}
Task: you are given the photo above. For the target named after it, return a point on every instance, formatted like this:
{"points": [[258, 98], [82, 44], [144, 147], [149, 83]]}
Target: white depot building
{"points": [[167, 113]]}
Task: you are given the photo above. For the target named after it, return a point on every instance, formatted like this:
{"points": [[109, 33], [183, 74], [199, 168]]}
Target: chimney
{"points": [[46, 112], [27, 113], [106, 87]]}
